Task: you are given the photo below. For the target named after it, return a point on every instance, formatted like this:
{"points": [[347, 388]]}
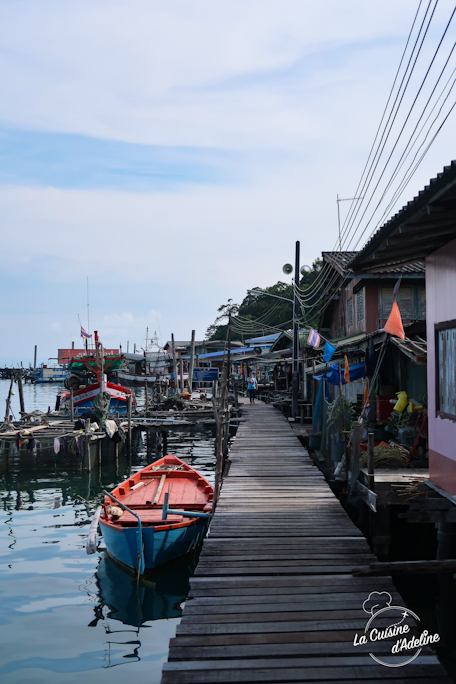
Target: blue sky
{"points": [[173, 152]]}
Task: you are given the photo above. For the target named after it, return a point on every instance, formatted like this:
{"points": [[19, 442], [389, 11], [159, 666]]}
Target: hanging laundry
{"points": [[18, 440], [31, 444], [66, 453], [111, 427], [56, 445]]}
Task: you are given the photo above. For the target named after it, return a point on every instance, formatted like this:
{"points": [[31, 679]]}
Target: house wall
{"points": [[371, 306], [441, 307]]}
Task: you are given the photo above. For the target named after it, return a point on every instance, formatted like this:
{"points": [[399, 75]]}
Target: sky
{"points": [[172, 152]]}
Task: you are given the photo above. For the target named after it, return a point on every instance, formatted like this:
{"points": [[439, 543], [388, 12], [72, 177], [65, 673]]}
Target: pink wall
{"points": [[440, 307]]}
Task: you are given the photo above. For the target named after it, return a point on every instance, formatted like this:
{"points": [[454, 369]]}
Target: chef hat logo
{"points": [[376, 600]]}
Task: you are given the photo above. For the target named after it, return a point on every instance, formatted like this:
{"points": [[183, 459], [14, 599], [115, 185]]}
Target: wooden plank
{"points": [[273, 598]]}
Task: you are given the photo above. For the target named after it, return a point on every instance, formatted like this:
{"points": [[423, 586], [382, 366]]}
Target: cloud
{"points": [[127, 325]]}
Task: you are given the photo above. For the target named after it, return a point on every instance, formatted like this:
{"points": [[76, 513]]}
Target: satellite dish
{"points": [[305, 269], [287, 269]]}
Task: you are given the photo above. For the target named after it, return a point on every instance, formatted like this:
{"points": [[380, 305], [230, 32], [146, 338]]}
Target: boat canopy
{"points": [[111, 362]]}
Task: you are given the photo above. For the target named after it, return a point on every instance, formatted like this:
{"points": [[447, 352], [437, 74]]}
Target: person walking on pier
{"points": [[252, 384]]}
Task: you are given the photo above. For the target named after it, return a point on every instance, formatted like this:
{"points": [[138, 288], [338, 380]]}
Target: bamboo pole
{"points": [[71, 404]]}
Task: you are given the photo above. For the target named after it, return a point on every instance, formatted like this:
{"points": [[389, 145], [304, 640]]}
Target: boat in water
{"points": [[88, 378], [45, 373], [153, 366], [158, 514]]}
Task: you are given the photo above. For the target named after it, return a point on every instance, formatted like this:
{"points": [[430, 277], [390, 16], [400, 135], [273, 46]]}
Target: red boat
{"points": [[161, 512]]}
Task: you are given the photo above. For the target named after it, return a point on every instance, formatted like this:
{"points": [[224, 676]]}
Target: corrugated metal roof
{"points": [[342, 261], [422, 226]]}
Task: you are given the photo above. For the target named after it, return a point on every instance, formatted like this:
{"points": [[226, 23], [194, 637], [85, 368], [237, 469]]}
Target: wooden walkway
{"points": [[273, 598]]}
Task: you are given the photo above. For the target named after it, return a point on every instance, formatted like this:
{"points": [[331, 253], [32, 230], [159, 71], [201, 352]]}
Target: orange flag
{"points": [[347, 370], [394, 323]]}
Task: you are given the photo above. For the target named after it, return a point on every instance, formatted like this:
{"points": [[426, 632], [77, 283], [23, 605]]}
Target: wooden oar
{"points": [[160, 488]]}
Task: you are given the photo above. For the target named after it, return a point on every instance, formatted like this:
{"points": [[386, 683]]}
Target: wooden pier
{"points": [[273, 598]]}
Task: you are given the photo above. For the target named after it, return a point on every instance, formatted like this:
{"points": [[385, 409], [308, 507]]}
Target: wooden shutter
{"points": [[360, 305], [404, 302], [350, 313]]}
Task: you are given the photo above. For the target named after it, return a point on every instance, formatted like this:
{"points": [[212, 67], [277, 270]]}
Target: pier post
{"points": [[371, 477], [220, 422], [173, 348], [21, 391], [87, 445], [181, 373], [190, 369], [129, 420], [8, 400], [164, 435], [146, 396]]}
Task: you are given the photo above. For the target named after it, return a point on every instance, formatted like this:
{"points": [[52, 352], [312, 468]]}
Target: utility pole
{"points": [[347, 199], [295, 372]]}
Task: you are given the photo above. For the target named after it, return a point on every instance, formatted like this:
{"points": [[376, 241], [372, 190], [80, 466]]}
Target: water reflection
{"points": [[156, 597], [82, 616]]}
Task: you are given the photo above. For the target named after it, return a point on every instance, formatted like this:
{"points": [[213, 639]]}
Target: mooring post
{"points": [[371, 477], [220, 420], [21, 391], [181, 373], [192, 361], [72, 404], [129, 420], [8, 399], [146, 394], [173, 348], [87, 445], [164, 435]]}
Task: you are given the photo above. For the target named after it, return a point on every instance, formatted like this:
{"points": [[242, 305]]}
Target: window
{"points": [[360, 306], [445, 369], [350, 313], [404, 302]]}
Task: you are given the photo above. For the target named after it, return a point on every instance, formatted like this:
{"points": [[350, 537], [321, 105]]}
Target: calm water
{"points": [[64, 616]]}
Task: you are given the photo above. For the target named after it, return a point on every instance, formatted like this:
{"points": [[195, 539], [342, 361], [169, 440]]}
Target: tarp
{"points": [[332, 375]]}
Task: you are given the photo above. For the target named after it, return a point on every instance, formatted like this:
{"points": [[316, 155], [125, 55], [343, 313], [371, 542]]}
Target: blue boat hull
{"points": [[159, 547], [115, 406]]}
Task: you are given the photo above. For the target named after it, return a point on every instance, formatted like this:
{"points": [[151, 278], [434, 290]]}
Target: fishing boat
{"points": [[160, 513], [152, 366], [45, 373], [88, 377]]}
